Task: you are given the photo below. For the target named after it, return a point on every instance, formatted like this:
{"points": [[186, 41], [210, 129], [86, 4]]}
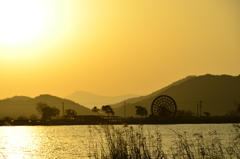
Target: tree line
{"points": [[106, 109], [47, 112]]}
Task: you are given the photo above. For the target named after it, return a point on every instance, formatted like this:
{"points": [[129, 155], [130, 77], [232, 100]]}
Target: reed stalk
{"points": [[129, 143]]}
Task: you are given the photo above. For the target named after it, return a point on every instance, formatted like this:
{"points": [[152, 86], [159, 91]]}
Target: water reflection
{"points": [[17, 141], [41, 142]]}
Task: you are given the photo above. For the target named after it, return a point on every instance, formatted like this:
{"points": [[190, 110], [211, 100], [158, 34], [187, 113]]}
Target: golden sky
{"points": [[114, 47]]}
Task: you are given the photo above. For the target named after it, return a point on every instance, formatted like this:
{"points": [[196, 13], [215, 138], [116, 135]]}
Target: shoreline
{"points": [[130, 121]]}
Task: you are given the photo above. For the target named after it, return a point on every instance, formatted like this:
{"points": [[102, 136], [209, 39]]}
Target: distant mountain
{"points": [[217, 93], [90, 100], [26, 106]]}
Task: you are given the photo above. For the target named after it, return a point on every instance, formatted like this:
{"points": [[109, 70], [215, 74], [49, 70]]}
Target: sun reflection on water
{"points": [[41, 142], [79, 141], [15, 141]]}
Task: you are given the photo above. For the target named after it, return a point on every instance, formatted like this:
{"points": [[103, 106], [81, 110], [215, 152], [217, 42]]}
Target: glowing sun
{"points": [[21, 21]]}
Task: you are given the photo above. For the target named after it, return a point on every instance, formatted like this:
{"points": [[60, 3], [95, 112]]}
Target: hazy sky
{"points": [[114, 47]]}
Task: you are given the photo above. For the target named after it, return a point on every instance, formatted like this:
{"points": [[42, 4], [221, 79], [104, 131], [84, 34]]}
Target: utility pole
{"points": [[197, 109], [124, 109], [63, 108], [200, 102]]}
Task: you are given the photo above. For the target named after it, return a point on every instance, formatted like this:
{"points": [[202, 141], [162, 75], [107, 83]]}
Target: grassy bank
{"points": [[129, 143]]}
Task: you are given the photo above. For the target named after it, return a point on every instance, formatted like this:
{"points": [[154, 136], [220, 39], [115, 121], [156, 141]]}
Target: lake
{"points": [[78, 141]]}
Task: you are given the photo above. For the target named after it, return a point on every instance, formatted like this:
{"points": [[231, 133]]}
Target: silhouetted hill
{"points": [[23, 98], [25, 106], [218, 94], [137, 99], [90, 100]]}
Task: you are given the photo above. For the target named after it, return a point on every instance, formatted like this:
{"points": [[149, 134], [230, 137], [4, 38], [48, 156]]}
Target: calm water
{"points": [[42, 142]]}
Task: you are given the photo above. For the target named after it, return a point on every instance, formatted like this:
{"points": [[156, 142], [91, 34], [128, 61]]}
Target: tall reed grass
{"points": [[129, 143]]}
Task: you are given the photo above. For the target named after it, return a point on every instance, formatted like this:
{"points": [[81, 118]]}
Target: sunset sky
{"points": [[115, 47]]}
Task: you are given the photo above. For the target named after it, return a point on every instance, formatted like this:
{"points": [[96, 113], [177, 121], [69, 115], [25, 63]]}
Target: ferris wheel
{"points": [[164, 106]]}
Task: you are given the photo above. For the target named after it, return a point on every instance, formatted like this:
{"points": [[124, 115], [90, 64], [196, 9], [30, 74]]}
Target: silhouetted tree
{"points": [[56, 112], [40, 107], [96, 110], [70, 113], [108, 110], [46, 111], [141, 111]]}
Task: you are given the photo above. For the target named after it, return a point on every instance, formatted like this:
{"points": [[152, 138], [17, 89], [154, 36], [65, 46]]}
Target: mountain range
{"points": [[90, 100], [26, 106], [218, 93]]}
